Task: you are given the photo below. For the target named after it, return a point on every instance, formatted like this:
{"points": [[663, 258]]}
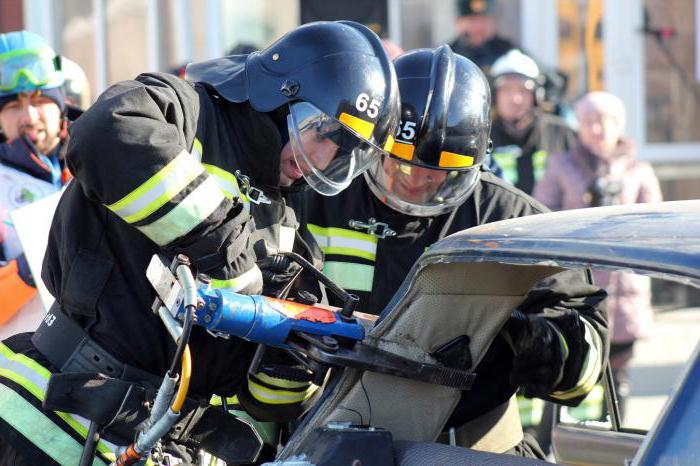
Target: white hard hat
{"points": [[515, 62]]}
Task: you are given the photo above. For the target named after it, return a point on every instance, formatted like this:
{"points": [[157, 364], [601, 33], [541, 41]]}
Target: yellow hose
{"points": [[184, 386]]}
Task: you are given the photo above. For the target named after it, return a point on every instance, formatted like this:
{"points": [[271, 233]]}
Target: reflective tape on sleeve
{"points": [[158, 189], [592, 365], [190, 212], [227, 183], [240, 282], [197, 150], [282, 395]]}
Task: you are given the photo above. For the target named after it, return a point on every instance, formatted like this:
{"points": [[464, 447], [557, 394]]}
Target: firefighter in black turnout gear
{"points": [[167, 166], [433, 185]]}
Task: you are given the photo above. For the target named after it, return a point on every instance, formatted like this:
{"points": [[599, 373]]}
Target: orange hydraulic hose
{"points": [[185, 374]]}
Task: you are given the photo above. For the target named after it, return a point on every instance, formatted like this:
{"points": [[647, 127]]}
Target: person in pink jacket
{"points": [[602, 169]]}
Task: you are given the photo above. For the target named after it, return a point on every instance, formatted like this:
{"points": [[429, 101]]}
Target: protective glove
{"points": [[277, 271], [539, 354]]}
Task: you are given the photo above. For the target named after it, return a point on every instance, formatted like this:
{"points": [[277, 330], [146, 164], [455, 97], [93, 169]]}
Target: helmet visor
{"points": [[22, 70], [420, 191], [328, 153]]}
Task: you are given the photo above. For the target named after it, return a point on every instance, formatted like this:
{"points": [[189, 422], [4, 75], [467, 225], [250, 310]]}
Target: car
{"points": [[467, 284]]}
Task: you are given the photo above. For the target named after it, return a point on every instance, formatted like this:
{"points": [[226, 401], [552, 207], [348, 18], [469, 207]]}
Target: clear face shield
{"points": [[327, 153], [419, 191]]}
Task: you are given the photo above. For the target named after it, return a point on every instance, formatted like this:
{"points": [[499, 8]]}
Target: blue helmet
{"points": [[27, 64]]}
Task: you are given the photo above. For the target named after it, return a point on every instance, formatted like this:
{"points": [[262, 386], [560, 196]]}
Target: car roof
{"points": [[658, 239]]}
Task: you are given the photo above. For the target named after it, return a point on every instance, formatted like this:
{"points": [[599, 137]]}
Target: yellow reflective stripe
{"points": [[362, 127], [227, 183], [283, 383], [345, 242], [278, 397], [356, 277], [452, 160], [26, 419], [562, 340], [592, 365], [508, 163], [539, 163], [341, 232], [34, 378], [215, 400], [197, 150], [240, 282], [158, 189], [403, 150], [25, 361], [190, 212], [389, 144]]}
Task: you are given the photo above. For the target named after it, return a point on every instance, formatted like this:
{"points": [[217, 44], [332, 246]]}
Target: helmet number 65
{"points": [[406, 131], [366, 105]]}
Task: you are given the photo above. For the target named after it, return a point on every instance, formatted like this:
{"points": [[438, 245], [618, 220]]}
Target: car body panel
{"points": [[657, 239], [675, 437], [661, 240]]}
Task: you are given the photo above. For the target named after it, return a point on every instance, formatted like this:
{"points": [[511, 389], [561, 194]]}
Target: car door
{"points": [[659, 240]]}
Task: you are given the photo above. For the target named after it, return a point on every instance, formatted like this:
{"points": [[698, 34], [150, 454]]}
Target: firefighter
{"points": [[477, 35], [168, 166], [32, 166], [523, 135], [432, 185]]}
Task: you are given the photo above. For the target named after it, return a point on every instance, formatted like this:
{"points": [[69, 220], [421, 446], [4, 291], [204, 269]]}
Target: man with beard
{"points": [[32, 165]]}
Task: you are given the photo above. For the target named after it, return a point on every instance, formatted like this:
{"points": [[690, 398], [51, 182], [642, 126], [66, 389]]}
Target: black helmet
{"points": [[338, 82], [443, 137], [475, 7]]}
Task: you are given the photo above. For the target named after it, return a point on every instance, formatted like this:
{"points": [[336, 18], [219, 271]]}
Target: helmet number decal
{"points": [[364, 104], [406, 131]]}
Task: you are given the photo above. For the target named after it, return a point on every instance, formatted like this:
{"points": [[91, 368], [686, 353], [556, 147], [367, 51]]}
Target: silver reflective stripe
{"points": [[190, 212], [159, 189], [358, 277], [227, 183], [344, 242], [34, 378], [252, 276], [39, 429]]}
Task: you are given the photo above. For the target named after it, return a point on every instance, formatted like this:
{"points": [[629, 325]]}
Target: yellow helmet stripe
{"points": [[362, 127], [452, 160], [389, 143], [403, 150]]}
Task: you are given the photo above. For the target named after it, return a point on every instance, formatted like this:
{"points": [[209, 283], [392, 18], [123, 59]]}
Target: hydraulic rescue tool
{"points": [[317, 336]]}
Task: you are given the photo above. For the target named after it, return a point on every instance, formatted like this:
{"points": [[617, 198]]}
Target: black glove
{"points": [[277, 272], [539, 354]]}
